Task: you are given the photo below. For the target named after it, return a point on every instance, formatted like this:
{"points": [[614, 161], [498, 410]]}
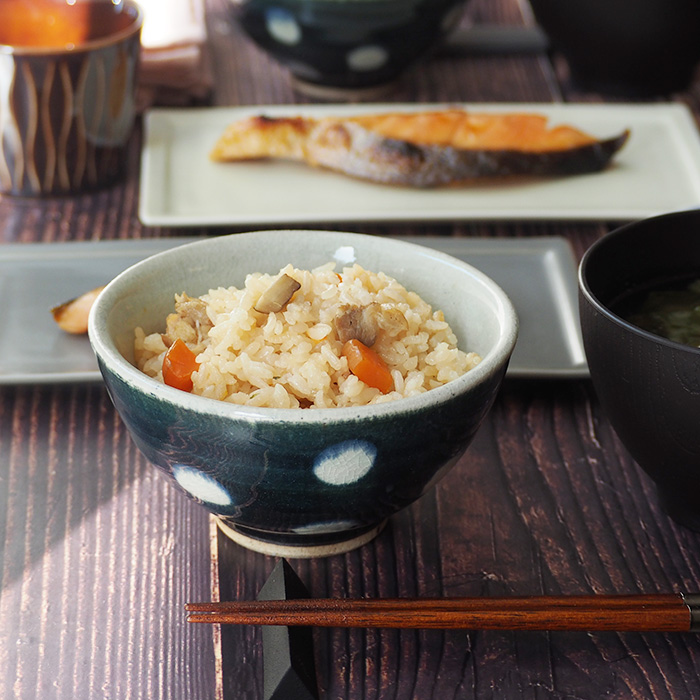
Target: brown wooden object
{"points": [[640, 613]]}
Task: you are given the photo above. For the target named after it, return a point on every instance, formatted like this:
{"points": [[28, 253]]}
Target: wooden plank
{"points": [[98, 555]]}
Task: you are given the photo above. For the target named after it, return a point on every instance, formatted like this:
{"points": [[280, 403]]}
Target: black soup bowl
{"points": [[625, 47], [648, 385]]}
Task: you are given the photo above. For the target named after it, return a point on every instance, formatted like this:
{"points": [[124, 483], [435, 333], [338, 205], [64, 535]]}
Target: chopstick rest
{"points": [[619, 613], [289, 669]]}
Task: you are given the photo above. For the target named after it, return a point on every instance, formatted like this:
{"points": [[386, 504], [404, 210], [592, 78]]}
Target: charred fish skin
{"points": [[351, 149], [366, 155]]}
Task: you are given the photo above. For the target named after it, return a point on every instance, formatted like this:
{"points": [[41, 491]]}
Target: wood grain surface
{"points": [[544, 501], [670, 612], [98, 554]]}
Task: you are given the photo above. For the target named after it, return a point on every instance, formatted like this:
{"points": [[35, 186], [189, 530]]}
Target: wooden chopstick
{"points": [[620, 613]]}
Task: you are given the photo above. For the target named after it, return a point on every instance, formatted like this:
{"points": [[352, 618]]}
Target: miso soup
{"points": [[670, 309]]}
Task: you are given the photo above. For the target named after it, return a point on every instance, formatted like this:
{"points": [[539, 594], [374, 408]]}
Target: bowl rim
{"points": [[106, 350], [588, 294]]}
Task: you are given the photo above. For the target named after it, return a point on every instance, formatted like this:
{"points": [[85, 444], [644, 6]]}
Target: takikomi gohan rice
{"points": [[290, 340]]}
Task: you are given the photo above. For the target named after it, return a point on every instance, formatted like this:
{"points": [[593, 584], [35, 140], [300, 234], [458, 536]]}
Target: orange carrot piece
{"points": [[178, 364], [367, 366]]}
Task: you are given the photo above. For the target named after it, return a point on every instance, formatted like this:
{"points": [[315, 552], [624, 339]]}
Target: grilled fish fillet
{"points": [[424, 149]]}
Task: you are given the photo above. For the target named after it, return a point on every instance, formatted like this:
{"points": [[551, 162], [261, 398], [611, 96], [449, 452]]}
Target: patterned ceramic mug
{"points": [[67, 93]]}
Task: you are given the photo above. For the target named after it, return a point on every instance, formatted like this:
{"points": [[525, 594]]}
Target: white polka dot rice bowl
{"points": [[302, 482], [347, 44]]}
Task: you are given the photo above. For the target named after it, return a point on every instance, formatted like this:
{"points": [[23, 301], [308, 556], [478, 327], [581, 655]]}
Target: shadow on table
{"points": [[63, 454]]}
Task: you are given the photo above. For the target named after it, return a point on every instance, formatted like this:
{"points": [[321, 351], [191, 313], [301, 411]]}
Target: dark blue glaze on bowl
{"points": [[347, 43], [301, 482], [648, 386]]}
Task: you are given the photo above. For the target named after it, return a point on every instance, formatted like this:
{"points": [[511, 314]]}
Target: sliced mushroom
{"points": [[276, 296], [72, 316]]}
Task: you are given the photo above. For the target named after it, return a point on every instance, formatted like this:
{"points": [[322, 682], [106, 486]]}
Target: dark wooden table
{"points": [[98, 554]]}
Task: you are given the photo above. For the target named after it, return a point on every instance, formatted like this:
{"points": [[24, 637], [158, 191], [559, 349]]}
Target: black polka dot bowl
{"points": [[309, 481], [335, 45]]}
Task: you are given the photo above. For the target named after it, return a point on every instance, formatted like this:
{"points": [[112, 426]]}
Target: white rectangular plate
{"points": [[539, 274], [658, 170]]}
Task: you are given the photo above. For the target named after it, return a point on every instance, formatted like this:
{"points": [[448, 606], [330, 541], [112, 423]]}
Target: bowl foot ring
{"points": [[298, 551], [329, 93]]}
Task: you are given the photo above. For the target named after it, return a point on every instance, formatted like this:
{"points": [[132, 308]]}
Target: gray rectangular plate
{"points": [[539, 274]]}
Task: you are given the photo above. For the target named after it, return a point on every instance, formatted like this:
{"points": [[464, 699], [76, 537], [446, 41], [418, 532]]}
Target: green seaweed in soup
{"points": [[671, 311]]}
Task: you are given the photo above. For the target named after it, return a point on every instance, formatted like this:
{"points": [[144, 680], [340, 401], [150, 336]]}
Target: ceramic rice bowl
{"points": [[301, 482]]}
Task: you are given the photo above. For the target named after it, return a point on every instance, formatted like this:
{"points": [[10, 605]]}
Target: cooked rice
{"points": [[293, 359]]}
